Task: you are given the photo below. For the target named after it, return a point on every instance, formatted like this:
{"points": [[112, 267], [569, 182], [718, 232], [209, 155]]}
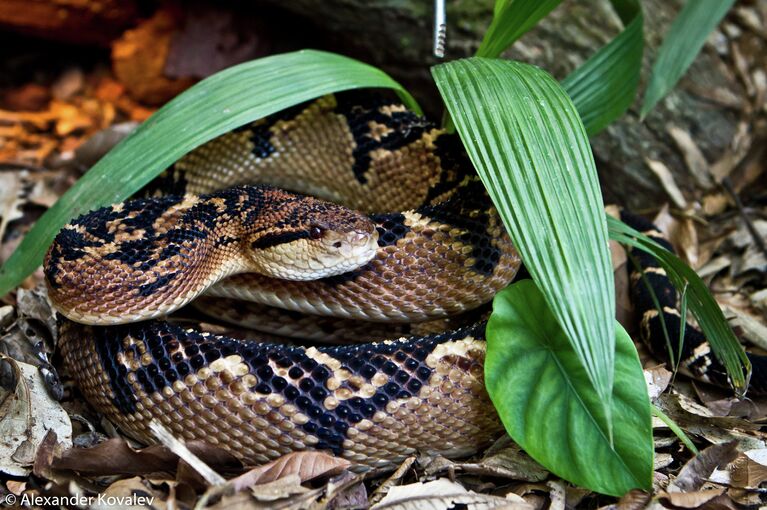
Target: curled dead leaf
{"points": [[305, 465], [697, 470]]}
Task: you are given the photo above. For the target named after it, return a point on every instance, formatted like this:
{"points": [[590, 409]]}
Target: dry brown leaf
{"points": [[739, 147], [692, 499], [634, 499], [115, 457], [509, 461], [662, 460], [237, 501], [394, 479], [443, 494], [557, 496], [715, 203], [177, 446], [346, 491], [684, 409], [667, 181], [747, 471], [747, 474], [694, 474], [305, 465], [27, 414], [693, 156], [657, 380], [281, 488], [681, 233], [129, 493]]}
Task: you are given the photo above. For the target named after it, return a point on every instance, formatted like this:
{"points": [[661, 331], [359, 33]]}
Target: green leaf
{"points": [[210, 108], [704, 308], [526, 141], [682, 43], [511, 19], [605, 86], [559, 423]]}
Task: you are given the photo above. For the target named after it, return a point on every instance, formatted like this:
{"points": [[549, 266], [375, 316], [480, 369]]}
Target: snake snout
{"points": [[347, 251]]}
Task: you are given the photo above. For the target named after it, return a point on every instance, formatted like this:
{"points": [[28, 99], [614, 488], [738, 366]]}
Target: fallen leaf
{"points": [[693, 156], [662, 460], [667, 181], [284, 487], [692, 499], [694, 474], [27, 413], [346, 491], [657, 380], [115, 457], [443, 494], [508, 461], [681, 233], [394, 479], [635, 499], [130, 493], [178, 446], [305, 465], [746, 475], [556, 495]]}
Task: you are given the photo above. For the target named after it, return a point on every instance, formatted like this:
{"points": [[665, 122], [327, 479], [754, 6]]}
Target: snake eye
{"points": [[315, 232]]}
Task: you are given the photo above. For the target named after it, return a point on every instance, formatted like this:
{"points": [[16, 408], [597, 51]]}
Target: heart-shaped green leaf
{"points": [[546, 402]]}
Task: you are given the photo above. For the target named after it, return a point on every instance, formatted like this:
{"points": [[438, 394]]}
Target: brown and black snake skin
{"points": [[442, 252]]}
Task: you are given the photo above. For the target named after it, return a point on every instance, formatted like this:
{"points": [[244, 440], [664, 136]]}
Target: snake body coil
{"points": [[431, 247]]}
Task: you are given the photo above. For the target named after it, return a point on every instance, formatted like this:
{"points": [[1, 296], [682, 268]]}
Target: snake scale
{"points": [[426, 246]]}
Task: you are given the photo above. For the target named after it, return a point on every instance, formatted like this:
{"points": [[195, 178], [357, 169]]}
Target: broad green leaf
{"points": [[682, 43], [511, 19], [726, 347], [604, 86], [546, 403], [526, 141], [210, 108]]}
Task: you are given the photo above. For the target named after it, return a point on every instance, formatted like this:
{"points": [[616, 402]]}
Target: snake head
{"points": [[311, 239]]}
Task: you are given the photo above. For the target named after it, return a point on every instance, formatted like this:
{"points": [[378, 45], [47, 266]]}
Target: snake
{"points": [[349, 213]]}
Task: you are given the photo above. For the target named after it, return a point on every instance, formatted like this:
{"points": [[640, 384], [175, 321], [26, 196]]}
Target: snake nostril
{"points": [[337, 244]]}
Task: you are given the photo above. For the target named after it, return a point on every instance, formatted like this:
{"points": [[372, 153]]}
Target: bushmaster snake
{"points": [[441, 253]]}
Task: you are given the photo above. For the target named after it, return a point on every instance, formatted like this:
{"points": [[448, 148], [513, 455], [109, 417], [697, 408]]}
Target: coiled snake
{"points": [[442, 252]]}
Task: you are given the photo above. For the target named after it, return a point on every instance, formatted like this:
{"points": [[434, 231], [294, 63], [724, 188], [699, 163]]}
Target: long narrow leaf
{"points": [[682, 43], [210, 108], [511, 19], [526, 140], [699, 300], [604, 86]]}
